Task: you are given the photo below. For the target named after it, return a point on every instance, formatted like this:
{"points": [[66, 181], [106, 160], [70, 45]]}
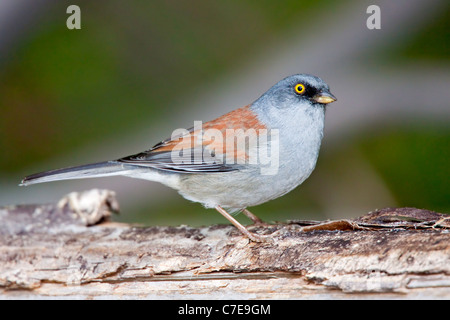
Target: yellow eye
{"points": [[300, 88]]}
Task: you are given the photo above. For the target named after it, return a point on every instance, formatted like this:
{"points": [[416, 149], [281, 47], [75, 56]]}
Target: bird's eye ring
{"points": [[299, 88]]}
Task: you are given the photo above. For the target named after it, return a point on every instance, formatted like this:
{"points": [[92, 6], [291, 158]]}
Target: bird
{"points": [[244, 158]]}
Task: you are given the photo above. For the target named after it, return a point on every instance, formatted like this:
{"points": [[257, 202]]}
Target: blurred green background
{"points": [[139, 69]]}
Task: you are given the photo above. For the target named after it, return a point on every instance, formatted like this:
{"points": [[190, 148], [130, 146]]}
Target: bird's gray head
{"points": [[298, 90]]}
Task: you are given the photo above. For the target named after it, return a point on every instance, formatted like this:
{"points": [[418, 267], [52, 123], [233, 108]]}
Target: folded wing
{"points": [[214, 147]]}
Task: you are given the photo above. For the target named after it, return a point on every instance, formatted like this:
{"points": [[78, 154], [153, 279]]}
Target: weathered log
{"points": [[72, 249]]}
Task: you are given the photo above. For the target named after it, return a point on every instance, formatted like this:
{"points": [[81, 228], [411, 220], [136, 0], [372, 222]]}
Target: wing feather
{"points": [[196, 151]]}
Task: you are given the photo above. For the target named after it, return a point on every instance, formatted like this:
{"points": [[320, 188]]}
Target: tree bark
{"points": [[72, 249]]}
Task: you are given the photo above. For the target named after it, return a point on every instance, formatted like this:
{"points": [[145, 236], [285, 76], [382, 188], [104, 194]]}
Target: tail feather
{"points": [[94, 170]]}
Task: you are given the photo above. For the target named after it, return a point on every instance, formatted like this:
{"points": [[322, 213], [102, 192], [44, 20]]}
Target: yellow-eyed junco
{"points": [[244, 158]]}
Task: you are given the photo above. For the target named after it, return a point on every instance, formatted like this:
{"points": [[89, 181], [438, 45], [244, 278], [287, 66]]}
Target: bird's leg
{"points": [[252, 236], [251, 216]]}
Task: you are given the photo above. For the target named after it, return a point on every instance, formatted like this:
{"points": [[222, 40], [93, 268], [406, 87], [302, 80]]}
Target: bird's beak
{"points": [[324, 97]]}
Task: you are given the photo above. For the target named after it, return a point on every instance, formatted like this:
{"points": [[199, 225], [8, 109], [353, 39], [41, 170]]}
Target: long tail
{"points": [[94, 170]]}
